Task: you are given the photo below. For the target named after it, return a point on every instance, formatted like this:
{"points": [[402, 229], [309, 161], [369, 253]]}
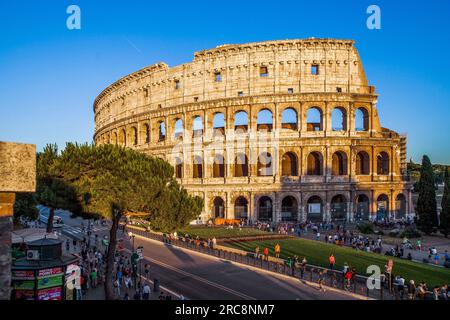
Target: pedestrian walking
{"points": [[147, 271], [266, 253], [146, 292], [277, 250], [303, 267], [320, 281], [332, 261], [257, 252]]}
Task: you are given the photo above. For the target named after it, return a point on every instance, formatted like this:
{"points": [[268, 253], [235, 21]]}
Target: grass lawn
{"points": [[317, 253], [220, 232]]}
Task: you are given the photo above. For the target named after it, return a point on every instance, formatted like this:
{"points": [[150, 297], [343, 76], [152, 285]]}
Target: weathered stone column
{"points": [[17, 174], [6, 212]]}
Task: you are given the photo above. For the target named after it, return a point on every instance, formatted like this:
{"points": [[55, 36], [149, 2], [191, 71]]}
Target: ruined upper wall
{"points": [[288, 63], [17, 167]]}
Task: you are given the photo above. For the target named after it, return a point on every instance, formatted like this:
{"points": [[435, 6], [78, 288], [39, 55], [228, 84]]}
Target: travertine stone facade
{"points": [[238, 125], [17, 174]]}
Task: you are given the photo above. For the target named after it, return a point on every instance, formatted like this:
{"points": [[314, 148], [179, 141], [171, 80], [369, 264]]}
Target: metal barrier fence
{"points": [[330, 278]]}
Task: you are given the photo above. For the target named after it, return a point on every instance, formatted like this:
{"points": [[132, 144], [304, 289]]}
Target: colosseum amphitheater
{"points": [[270, 131]]}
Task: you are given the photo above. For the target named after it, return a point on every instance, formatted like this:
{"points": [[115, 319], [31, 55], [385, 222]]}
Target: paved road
{"points": [[202, 277], [198, 276]]}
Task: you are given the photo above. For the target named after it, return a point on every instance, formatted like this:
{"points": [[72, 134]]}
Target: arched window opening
{"points": [[264, 121], [315, 164], [338, 208], [198, 167], [314, 119], [178, 168], [219, 208], [197, 130], [241, 208], [289, 209], [134, 136], [400, 206], [361, 119], [289, 164], [122, 137], [241, 122], [219, 124], [383, 163], [314, 209], [382, 207], [178, 129], [114, 138], [362, 208], [339, 119], [362, 163], [265, 209], [339, 164], [162, 131], [241, 166], [265, 164], [289, 119], [146, 133], [218, 166]]}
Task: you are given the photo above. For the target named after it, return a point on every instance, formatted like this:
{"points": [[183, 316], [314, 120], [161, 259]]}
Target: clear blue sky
{"points": [[50, 75]]}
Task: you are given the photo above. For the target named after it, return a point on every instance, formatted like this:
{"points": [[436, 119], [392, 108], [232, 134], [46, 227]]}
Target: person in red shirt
{"points": [[332, 261], [266, 253]]}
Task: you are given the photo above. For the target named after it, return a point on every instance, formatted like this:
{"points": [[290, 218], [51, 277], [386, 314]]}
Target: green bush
{"points": [[366, 228], [410, 232]]}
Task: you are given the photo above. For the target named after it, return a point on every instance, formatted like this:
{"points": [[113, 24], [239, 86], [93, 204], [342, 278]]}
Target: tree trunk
{"points": [[109, 272], [51, 215]]}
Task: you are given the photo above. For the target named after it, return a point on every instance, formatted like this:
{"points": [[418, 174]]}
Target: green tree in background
{"points": [[426, 203], [112, 181], [444, 225], [52, 191], [25, 206]]}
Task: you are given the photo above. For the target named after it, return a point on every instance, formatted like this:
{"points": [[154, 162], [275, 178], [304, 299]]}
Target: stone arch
{"points": [[265, 208], [218, 124], [289, 119], [241, 165], [265, 164], [219, 166], [339, 119], [362, 207], [362, 163], [197, 171], [314, 164], [197, 126], [400, 206], [178, 129], [383, 163], [339, 165], [241, 208], [338, 208], [133, 136], [289, 164], [382, 206], [241, 121], [114, 138], [289, 208], [122, 139], [178, 167], [314, 210], [314, 119], [218, 208], [161, 130], [145, 133], [264, 121], [361, 119]]}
